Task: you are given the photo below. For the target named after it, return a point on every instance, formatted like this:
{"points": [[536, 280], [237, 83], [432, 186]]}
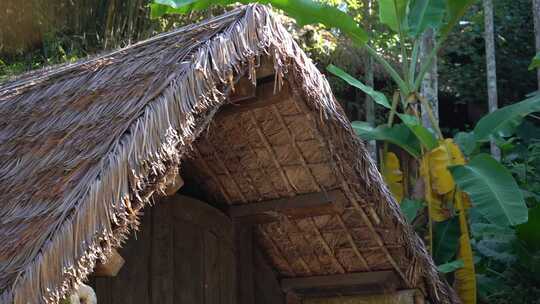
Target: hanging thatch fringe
{"points": [[95, 214]]}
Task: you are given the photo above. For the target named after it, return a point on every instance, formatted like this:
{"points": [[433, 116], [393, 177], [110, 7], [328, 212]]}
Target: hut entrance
{"points": [[183, 253]]}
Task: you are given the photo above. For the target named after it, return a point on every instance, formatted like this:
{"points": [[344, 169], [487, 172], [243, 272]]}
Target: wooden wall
{"points": [[257, 281], [182, 254]]}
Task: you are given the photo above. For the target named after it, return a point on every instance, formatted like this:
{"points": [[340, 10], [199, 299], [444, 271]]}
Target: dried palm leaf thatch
{"points": [[84, 146]]}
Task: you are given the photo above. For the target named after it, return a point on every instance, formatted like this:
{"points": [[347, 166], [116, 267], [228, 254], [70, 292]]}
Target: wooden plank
{"points": [[244, 240], [256, 219], [131, 284], [312, 202], [188, 261], [162, 261], [264, 97], [374, 278], [211, 262], [102, 287], [227, 273], [183, 254], [201, 214]]}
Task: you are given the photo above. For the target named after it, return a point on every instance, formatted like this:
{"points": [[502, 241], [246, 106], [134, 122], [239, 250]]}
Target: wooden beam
{"points": [[292, 298], [266, 67], [110, 268], [173, 182], [314, 199], [359, 279], [400, 297], [242, 90], [264, 96], [304, 205]]}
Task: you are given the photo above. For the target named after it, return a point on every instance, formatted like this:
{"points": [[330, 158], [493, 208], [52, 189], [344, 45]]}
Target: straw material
{"points": [[84, 146]]}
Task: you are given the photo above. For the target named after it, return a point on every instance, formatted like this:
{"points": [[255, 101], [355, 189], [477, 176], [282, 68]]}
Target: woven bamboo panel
{"points": [[282, 150]]}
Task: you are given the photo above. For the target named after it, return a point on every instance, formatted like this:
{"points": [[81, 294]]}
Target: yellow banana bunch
{"points": [[393, 176], [440, 195]]}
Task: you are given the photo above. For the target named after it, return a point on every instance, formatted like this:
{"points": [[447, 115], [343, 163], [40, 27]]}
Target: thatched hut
{"points": [[216, 157]]}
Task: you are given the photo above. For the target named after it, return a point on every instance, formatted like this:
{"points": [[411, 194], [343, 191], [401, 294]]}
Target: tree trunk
{"points": [[491, 67], [430, 84], [369, 104], [536, 16]]}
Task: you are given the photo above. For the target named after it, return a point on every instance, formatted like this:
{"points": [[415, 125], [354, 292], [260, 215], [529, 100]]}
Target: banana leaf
{"points": [[399, 135], [492, 189]]}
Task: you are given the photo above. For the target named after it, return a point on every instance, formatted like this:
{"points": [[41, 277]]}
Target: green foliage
{"points": [[425, 14], [450, 266], [529, 232], [462, 64], [377, 96], [503, 122], [56, 49], [485, 229], [492, 189], [393, 13], [509, 258], [535, 62], [410, 209], [446, 240], [504, 263], [466, 142], [71, 30], [426, 138], [456, 9], [399, 135], [497, 249], [523, 160]]}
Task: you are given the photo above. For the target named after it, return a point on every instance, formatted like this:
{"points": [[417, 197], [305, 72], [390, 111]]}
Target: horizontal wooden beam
{"points": [[359, 279], [242, 90], [264, 96], [299, 206], [409, 296], [266, 67]]}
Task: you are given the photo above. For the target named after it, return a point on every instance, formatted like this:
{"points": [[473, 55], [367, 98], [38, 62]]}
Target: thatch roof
{"points": [[84, 146]]}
